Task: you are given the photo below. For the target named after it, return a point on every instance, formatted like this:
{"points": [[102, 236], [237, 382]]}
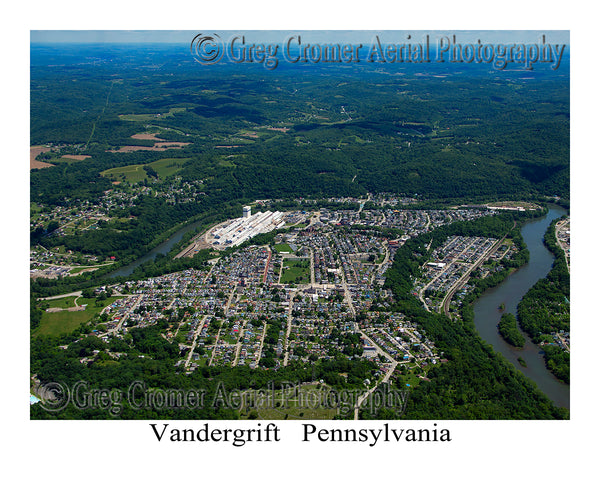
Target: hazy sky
{"points": [[274, 36]]}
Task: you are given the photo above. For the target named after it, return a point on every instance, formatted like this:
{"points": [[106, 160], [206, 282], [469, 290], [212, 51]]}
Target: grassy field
{"points": [[181, 335], [34, 211], [295, 271], [80, 224], [80, 269], [226, 163], [129, 173], [307, 402], [409, 378], [168, 166], [283, 248], [157, 129], [64, 159], [231, 340], [60, 302], [301, 225], [57, 323], [136, 173], [147, 117]]}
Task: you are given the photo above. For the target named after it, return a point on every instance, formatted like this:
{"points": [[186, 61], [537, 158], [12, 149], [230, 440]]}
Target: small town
{"points": [[563, 236], [315, 292], [233, 229], [456, 260]]}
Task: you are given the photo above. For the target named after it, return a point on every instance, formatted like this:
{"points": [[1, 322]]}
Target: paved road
{"points": [[289, 329], [562, 339], [238, 345], [312, 266], [216, 344], [443, 270], [465, 277], [196, 333], [262, 341], [214, 350], [385, 378], [126, 315], [563, 224], [64, 295], [383, 263]]}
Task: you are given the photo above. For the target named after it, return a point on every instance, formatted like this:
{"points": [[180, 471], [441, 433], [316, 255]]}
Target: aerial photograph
{"points": [[299, 225]]}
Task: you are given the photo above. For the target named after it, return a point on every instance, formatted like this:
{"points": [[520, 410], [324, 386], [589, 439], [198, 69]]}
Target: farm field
{"points": [[136, 173], [159, 146], [147, 136], [33, 153], [75, 157]]}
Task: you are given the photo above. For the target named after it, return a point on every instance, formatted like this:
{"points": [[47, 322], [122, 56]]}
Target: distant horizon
{"points": [[348, 36]]}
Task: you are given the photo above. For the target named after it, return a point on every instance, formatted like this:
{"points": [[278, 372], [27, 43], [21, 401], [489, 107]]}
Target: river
{"points": [[509, 293], [163, 248]]}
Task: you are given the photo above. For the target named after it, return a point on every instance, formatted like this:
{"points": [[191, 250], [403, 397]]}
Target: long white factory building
{"points": [[241, 229]]}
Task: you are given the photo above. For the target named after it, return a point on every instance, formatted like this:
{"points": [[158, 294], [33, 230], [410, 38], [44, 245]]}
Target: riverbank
{"points": [[510, 292]]}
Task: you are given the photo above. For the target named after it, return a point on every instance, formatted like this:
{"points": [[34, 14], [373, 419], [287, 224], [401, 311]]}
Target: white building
{"points": [[237, 231], [246, 212]]}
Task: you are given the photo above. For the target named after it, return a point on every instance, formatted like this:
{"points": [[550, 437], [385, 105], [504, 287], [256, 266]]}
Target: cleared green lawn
{"points": [[168, 166], [226, 163], [409, 378], [295, 271], [60, 302], [80, 269], [130, 173], [35, 208], [62, 322], [283, 248], [66, 160], [136, 173], [57, 323], [308, 403], [230, 339]]}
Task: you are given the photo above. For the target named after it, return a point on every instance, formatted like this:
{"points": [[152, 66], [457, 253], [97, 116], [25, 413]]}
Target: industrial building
{"points": [[239, 230]]}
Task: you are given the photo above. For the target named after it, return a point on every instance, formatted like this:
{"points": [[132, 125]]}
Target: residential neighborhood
{"points": [[314, 292]]}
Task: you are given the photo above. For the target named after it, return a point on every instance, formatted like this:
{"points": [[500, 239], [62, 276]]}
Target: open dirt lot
{"points": [[34, 152], [76, 157], [146, 136]]}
